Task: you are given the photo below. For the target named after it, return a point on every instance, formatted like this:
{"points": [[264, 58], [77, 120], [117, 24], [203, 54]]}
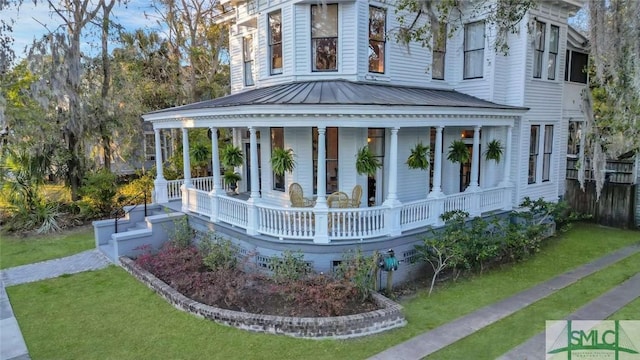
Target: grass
{"points": [[109, 315], [630, 312], [15, 251], [491, 342]]}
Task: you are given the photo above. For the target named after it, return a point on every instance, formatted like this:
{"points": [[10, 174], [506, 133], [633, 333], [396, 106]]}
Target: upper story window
{"points": [[473, 50], [539, 49], [439, 51], [247, 50], [554, 45], [275, 42], [546, 50], [576, 67], [377, 29], [324, 37]]}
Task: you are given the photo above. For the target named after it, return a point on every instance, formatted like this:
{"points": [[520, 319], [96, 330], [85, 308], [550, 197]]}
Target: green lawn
{"points": [[16, 251], [491, 342], [109, 315]]}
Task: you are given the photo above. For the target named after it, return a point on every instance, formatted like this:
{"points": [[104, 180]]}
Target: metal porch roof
{"points": [[344, 92]]}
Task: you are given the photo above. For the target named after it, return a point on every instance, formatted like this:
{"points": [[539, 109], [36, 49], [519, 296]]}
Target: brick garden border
{"points": [[390, 315]]}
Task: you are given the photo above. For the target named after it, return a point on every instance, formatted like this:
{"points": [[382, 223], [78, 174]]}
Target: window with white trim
{"points": [[554, 45], [324, 37], [377, 28], [538, 55], [546, 155], [546, 49], [540, 140], [275, 42], [576, 67], [439, 51], [150, 146], [247, 50], [331, 148], [473, 50]]}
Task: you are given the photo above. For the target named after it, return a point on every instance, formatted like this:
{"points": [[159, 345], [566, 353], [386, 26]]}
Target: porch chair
{"points": [[356, 196], [297, 198], [338, 200]]}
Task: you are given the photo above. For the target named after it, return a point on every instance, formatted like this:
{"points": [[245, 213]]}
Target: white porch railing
{"points": [[286, 223], [173, 189], [233, 211], [356, 223], [350, 224], [199, 201]]}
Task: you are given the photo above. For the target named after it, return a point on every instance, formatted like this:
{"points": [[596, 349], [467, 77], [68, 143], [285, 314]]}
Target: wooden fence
{"points": [[617, 171], [616, 206]]}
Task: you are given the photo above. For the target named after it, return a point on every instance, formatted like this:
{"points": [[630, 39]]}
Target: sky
{"points": [[30, 19]]}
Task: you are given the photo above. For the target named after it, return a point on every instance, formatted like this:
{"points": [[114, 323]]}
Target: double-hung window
{"points": [[548, 149], [331, 159], [324, 37], [439, 51], [377, 24], [538, 55], [275, 42], [534, 143], [546, 51], [539, 165], [473, 50], [247, 49], [552, 62]]}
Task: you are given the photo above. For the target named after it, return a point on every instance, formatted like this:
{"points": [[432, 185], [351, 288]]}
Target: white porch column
{"points": [[392, 218], [217, 189], [506, 180], [321, 211], [475, 161], [160, 195], [254, 198], [186, 169], [436, 191]]}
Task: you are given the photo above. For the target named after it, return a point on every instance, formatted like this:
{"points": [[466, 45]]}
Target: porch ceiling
{"points": [[337, 93]]}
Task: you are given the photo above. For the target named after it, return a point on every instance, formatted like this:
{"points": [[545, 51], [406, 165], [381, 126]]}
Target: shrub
{"points": [[98, 191], [134, 191], [218, 253], [360, 270], [181, 235], [327, 296], [290, 267]]}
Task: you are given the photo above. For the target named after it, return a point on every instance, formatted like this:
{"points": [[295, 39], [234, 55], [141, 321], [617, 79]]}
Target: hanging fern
{"points": [[458, 152], [494, 150], [282, 161], [231, 156], [419, 157], [367, 162]]}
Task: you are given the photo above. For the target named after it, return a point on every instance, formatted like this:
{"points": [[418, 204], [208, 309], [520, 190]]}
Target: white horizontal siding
{"points": [[302, 39], [413, 184], [348, 38]]}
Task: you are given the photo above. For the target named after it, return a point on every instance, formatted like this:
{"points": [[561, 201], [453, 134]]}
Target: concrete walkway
{"points": [[447, 334], [600, 308], [12, 345]]}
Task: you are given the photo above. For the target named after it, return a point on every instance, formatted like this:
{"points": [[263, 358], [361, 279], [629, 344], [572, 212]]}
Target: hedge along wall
{"points": [[338, 327]]}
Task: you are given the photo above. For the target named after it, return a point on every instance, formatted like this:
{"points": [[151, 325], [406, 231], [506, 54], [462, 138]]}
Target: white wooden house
{"points": [[310, 75]]}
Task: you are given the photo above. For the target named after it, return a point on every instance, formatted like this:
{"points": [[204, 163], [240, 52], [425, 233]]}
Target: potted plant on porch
{"points": [[367, 162], [282, 161], [419, 157], [231, 156], [494, 150], [458, 152]]}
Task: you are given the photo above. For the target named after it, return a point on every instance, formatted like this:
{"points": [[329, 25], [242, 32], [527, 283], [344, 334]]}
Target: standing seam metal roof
{"points": [[344, 92]]}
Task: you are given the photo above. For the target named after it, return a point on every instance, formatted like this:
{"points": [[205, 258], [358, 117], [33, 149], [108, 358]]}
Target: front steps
{"points": [[137, 233]]}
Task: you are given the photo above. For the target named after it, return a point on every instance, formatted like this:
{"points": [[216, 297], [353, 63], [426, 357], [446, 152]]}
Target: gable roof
{"points": [[344, 92]]}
